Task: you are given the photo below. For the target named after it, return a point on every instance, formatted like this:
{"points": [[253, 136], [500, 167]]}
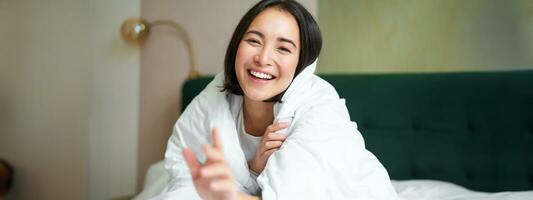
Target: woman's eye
{"points": [[284, 50], [253, 42]]}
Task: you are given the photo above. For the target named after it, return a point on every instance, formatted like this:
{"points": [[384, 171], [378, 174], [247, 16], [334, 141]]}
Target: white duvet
{"points": [[157, 178], [323, 157]]}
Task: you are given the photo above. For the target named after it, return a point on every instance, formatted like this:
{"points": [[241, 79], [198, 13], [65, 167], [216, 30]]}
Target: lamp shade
{"points": [[135, 30]]}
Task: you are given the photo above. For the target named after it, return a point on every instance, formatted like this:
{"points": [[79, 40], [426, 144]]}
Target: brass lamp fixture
{"points": [[136, 30]]}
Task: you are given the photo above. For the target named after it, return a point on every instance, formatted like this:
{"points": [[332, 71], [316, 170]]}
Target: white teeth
{"points": [[260, 75]]}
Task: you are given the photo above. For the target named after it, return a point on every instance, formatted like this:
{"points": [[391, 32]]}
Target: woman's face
{"points": [[268, 54]]}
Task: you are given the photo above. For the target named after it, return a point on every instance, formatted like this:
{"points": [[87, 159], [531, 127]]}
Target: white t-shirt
{"points": [[249, 143]]}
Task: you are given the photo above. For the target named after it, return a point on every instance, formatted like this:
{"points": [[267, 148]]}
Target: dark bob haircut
{"points": [[10, 174], [310, 41]]}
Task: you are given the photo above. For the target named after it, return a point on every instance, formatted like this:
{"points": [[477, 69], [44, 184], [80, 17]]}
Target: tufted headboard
{"points": [[474, 129]]}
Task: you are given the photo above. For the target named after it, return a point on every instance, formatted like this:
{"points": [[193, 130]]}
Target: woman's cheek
{"points": [[288, 69]]}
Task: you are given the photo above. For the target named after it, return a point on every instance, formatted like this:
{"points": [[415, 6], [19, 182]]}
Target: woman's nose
{"points": [[263, 58]]}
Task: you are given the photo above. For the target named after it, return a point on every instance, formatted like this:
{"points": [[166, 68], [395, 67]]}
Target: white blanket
{"points": [[157, 178], [323, 157]]}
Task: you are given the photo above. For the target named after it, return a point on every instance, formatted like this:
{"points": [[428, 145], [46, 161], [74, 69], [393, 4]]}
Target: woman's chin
{"points": [[258, 97]]}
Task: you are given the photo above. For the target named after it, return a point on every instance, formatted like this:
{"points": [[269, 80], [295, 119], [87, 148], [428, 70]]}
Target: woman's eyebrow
{"points": [[282, 39], [261, 35], [255, 32]]}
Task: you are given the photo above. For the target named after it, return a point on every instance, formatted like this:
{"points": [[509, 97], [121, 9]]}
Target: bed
{"points": [[464, 135]]}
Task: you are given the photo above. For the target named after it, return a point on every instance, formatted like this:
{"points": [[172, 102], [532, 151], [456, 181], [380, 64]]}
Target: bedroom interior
{"points": [[441, 90]]}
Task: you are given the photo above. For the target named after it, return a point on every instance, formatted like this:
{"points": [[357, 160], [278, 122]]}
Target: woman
{"points": [[277, 130]]}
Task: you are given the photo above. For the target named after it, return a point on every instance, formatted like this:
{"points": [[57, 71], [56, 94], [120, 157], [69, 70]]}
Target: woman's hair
{"points": [[310, 41], [11, 173]]}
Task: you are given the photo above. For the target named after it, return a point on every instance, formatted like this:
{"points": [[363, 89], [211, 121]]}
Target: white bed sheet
{"points": [[440, 190]]}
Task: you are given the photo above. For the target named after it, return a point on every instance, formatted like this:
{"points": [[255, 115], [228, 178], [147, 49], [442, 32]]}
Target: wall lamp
{"points": [[136, 30]]}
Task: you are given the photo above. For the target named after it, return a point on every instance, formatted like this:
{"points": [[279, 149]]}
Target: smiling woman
{"points": [[266, 60], [271, 122], [286, 25]]}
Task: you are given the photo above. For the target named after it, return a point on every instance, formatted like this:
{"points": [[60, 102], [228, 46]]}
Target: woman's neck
{"points": [[258, 116]]}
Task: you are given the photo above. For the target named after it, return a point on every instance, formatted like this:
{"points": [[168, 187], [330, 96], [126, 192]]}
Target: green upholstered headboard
{"points": [[470, 128]]}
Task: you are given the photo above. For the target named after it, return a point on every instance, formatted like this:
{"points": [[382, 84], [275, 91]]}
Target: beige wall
{"points": [[414, 36], [114, 102], [164, 62], [68, 98], [44, 76]]}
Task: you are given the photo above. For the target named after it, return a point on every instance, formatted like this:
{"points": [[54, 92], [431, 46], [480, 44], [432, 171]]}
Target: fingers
{"points": [[221, 185], [271, 139], [270, 148], [214, 175], [212, 154], [217, 177], [271, 134], [268, 153], [274, 136], [272, 144], [192, 162], [215, 137], [277, 126], [214, 164], [215, 171]]}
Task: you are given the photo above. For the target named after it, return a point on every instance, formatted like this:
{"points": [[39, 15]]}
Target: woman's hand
{"points": [[269, 144], [212, 180]]}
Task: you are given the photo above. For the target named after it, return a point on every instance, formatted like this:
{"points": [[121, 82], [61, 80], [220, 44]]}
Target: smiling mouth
{"points": [[261, 75]]}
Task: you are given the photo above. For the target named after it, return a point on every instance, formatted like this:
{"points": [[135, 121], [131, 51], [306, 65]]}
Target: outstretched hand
{"points": [[213, 180]]}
